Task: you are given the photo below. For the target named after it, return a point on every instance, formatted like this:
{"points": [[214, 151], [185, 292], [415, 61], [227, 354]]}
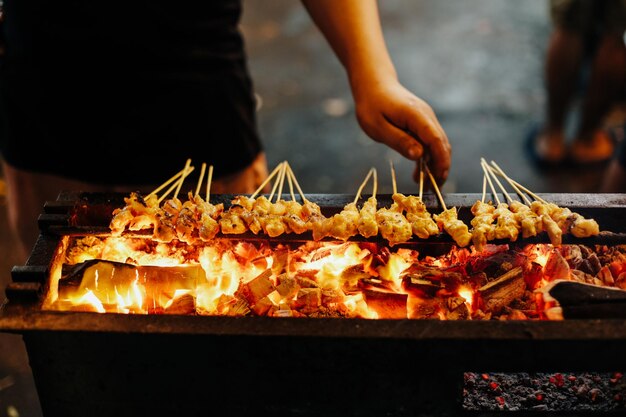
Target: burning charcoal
{"points": [[332, 296], [556, 267], [533, 274], [308, 299], [305, 282], [281, 257], [287, 286], [424, 308], [386, 304], [504, 290], [605, 276], [582, 276], [375, 284], [498, 263], [185, 304], [257, 288], [514, 314], [457, 308], [620, 282], [572, 254], [419, 287], [262, 306], [351, 276]]}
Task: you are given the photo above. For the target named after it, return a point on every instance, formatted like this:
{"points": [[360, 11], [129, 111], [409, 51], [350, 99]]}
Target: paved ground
{"points": [[479, 64]]}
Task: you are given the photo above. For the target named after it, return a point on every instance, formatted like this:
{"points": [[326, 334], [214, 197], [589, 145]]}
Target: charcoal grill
{"points": [[162, 365]]}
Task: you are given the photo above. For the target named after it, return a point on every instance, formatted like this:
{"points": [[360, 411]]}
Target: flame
{"points": [[315, 278], [90, 298], [467, 293], [393, 269]]}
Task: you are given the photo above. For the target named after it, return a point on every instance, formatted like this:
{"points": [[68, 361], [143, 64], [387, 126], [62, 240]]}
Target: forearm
{"points": [[353, 29]]}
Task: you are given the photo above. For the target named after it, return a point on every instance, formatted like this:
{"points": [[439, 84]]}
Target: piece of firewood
{"points": [[502, 291], [387, 305]]}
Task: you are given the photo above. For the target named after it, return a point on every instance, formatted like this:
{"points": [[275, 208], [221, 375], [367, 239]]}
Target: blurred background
{"points": [[479, 64]]}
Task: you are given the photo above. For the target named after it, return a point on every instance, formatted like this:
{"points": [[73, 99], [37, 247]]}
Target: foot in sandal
{"points": [[597, 148]]}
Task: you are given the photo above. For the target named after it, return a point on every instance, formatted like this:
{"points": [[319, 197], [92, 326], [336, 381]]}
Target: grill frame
{"points": [[420, 361]]}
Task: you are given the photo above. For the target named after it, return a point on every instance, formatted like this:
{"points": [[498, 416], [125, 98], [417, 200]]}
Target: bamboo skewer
{"points": [[290, 182], [182, 178], [393, 177], [267, 180], [168, 182], [279, 192], [367, 177], [504, 192], [202, 169], [519, 192], [484, 188], [177, 184], [375, 187], [435, 187], [295, 180], [276, 181], [421, 178], [208, 183], [486, 171]]}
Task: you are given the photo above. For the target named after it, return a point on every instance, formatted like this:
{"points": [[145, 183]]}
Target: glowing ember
{"points": [[319, 279]]}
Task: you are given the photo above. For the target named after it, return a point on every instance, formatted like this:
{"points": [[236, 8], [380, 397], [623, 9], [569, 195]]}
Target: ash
{"points": [[544, 391]]}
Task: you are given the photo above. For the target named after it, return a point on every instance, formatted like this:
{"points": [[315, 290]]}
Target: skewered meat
{"points": [[368, 226], [507, 226], [315, 220], [483, 229], [138, 213], [448, 221], [529, 221], [422, 223], [344, 224], [549, 225], [392, 225]]}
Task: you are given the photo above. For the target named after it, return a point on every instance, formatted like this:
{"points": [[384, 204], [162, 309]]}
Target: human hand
{"points": [[389, 113]]}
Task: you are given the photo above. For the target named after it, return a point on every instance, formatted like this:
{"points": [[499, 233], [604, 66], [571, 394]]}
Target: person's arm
{"points": [[386, 111]]}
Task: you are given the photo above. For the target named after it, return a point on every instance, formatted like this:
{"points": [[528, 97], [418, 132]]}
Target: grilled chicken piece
{"points": [[529, 221], [549, 225], [422, 223], [368, 226], [344, 224], [392, 225], [448, 221], [315, 220], [507, 226], [483, 229]]}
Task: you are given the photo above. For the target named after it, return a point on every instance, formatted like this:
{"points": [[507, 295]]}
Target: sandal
{"points": [[597, 150], [544, 149]]}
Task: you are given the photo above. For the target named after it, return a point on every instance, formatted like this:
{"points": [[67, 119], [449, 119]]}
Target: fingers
{"points": [[429, 132], [402, 142]]}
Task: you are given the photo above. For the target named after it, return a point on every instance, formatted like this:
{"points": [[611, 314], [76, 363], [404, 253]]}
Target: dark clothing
{"points": [[125, 92]]}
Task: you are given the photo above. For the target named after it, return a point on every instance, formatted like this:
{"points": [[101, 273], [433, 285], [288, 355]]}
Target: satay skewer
{"points": [[493, 189], [295, 181], [393, 177], [267, 180], [188, 170], [182, 178], [166, 183], [202, 170], [208, 183], [360, 190], [421, 186], [490, 170], [512, 183], [435, 187], [281, 180]]}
